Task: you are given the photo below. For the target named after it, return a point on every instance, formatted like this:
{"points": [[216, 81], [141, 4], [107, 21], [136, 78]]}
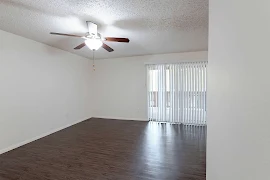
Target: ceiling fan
{"points": [[93, 39]]}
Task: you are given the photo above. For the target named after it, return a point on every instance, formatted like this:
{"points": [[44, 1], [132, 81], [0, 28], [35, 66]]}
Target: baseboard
{"points": [[38, 137], [121, 118]]}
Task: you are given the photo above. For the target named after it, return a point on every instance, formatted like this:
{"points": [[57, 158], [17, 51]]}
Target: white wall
{"points": [[120, 84], [42, 89], [238, 143]]}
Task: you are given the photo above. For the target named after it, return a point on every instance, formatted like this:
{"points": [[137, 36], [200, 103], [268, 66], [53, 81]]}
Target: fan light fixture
{"points": [[93, 39], [93, 44]]}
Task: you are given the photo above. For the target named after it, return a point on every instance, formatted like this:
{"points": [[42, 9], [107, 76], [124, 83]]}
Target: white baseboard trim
{"points": [[38, 137], [121, 118]]}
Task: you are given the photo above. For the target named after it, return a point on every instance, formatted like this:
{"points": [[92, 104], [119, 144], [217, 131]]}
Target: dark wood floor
{"points": [[111, 150]]}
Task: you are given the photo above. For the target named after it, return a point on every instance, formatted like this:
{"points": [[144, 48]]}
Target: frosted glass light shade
{"points": [[93, 44]]}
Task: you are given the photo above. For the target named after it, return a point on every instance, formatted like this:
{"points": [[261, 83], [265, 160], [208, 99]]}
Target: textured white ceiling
{"points": [[153, 26]]}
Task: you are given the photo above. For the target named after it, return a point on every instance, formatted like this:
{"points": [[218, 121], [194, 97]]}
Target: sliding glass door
{"points": [[177, 93]]}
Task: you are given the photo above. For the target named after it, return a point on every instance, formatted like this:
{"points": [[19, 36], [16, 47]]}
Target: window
{"points": [[177, 92]]}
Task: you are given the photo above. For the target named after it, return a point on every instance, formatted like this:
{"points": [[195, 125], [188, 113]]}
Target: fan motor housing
{"points": [[92, 36]]}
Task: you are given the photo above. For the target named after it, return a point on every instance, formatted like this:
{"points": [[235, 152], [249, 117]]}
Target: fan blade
{"points": [[61, 34], [80, 46], [126, 40], [106, 47]]}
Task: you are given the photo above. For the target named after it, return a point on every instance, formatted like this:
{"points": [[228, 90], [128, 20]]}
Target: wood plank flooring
{"points": [[101, 149]]}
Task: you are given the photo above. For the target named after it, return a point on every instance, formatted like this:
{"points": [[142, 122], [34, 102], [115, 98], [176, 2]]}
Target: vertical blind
{"points": [[177, 93]]}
